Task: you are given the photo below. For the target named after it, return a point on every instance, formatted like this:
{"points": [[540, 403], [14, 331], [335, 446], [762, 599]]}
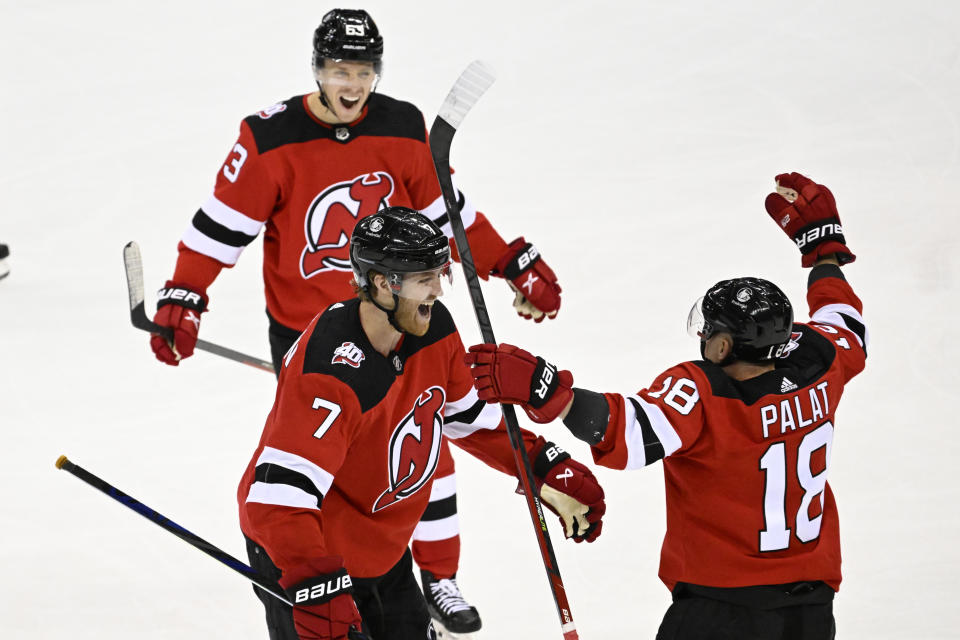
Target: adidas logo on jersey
{"points": [[349, 354], [786, 385]]}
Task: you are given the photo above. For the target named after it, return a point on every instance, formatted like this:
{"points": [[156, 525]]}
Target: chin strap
{"points": [[391, 313]]}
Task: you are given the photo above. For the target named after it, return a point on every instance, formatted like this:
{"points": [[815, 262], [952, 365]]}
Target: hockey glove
{"points": [[570, 490], [807, 212], [178, 307], [509, 374], [323, 608], [534, 283]]}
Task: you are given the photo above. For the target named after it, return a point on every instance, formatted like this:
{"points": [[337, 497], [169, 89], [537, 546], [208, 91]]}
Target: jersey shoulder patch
{"points": [[808, 351], [338, 347], [284, 123]]}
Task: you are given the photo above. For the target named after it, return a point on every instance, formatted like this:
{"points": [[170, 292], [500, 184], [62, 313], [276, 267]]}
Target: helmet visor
{"points": [[697, 324], [422, 286]]}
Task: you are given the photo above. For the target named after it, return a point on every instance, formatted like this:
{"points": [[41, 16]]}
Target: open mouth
{"points": [[349, 103], [424, 310]]}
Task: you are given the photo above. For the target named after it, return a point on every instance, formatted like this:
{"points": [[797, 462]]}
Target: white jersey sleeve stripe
{"points": [[443, 487], [321, 478], [202, 243], [283, 495], [468, 415], [646, 446], [661, 426], [230, 217], [437, 210], [442, 529], [832, 314], [633, 435]]}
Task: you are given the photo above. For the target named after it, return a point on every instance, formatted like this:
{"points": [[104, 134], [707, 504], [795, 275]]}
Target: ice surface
{"points": [[634, 146]]}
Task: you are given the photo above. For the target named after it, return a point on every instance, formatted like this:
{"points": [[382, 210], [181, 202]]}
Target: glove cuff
{"points": [[543, 383], [809, 237], [546, 455], [550, 391], [178, 294], [838, 249], [327, 579], [520, 256]]}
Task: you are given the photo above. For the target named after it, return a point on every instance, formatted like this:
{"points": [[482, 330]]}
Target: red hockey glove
{"points": [[807, 212], [180, 308], [323, 608], [535, 284], [511, 375], [570, 490]]}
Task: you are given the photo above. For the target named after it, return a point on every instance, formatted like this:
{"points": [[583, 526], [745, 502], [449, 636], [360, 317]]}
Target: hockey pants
{"points": [[391, 606]]}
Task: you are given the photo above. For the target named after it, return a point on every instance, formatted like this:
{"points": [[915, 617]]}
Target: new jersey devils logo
{"points": [[414, 448], [792, 344], [332, 216]]}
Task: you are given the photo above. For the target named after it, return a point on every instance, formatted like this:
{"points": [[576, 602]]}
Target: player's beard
{"points": [[413, 316]]}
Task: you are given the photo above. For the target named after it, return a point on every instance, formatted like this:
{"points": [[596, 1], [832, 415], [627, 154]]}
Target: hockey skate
{"points": [[453, 617], [4, 267]]}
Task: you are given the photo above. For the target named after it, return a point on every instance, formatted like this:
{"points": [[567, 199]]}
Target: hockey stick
{"points": [[190, 538], [133, 264], [472, 84]]}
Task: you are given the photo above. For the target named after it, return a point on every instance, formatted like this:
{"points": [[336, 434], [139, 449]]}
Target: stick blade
{"points": [[472, 83], [133, 264]]}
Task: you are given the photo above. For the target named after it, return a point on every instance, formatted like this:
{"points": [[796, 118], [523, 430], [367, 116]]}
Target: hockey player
{"points": [[752, 548], [346, 461], [305, 170]]}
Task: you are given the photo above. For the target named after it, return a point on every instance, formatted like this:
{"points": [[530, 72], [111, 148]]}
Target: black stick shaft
{"points": [[441, 135], [169, 525]]}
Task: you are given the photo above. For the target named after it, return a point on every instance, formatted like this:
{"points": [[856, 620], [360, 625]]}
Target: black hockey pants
{"points": [[392, 605], [795, 611]]}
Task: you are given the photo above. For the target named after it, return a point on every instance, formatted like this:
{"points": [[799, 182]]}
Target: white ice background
{"points": [[632, 142]]}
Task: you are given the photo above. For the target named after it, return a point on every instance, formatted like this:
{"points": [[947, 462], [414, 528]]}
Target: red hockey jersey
{"points": [[746, 462], [346, 461], [306, 183]]}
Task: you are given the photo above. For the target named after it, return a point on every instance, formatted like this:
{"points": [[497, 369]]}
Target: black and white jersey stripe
{"points": [[221, 232], [288, 480], [468, 415], [648, 433], [437, 212], [439, 520], [843, 316]]}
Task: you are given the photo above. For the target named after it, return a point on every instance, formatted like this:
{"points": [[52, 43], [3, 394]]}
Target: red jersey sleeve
{"points": [[837, 313], [661, 420], [305, 442], [245, 194]]}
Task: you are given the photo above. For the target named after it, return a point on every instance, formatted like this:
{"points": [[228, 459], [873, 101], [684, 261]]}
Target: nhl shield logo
{"points": [[414, 448], [348, 354], [333, 214], [342, 133]]}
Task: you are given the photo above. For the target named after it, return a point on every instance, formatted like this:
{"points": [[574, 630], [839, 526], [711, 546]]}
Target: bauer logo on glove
{"points": [[807, 213]]}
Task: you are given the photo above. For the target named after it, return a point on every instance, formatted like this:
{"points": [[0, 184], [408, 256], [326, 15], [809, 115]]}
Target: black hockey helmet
{"points": [[754, 311], [347, 34], [394, 241]]}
